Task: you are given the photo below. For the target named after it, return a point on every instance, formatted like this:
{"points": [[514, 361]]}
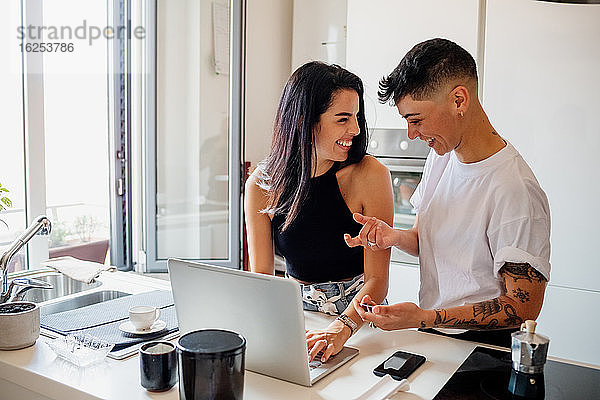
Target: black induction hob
{"points": [[485, 374]]}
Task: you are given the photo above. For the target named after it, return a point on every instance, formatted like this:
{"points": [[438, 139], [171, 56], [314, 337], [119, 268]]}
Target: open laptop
{"points": [[266, 310]]}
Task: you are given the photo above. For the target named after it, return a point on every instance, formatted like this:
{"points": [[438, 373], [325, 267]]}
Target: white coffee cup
{"points": [[142, 317]]}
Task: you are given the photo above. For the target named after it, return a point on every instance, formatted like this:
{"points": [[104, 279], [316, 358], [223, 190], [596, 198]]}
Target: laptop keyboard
{"points": [[316, 362], [318, 369]]}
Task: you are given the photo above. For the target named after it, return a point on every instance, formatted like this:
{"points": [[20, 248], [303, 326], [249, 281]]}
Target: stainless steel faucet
{"points": [[18, 287], [41, 226]]}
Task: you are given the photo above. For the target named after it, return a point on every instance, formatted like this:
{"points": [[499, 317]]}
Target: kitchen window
{"points": [[56, 148]]}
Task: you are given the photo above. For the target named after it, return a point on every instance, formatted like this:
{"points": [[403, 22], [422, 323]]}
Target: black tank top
{"points": [[313, 245]]}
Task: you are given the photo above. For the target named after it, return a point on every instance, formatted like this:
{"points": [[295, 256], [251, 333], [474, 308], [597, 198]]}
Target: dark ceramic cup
{"points": [[211, 365], [158, 366]]}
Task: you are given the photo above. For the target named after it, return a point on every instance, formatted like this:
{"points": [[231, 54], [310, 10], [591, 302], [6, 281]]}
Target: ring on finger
{"points": [[371, 244]]}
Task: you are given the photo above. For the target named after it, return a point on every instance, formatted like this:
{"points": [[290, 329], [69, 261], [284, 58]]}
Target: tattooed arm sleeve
{"points": [[523, 293]]}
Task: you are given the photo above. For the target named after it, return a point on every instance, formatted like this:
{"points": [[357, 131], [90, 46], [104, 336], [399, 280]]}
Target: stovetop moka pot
{"points": [[529, 352]]}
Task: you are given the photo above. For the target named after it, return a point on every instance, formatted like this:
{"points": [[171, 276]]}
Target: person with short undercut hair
{"points": [[482, 232]]}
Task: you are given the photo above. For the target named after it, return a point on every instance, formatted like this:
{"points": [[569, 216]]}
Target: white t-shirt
{"points": [[472, 219]]}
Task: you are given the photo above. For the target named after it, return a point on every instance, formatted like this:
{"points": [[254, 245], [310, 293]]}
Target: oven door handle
{"points": [[404, 168]]}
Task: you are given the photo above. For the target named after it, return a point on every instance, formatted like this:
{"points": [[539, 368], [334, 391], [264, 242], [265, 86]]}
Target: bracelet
{"points": [[346, 320]]}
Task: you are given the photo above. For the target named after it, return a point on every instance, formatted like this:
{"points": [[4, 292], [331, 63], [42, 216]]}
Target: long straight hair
{"points": [[286, 171]]}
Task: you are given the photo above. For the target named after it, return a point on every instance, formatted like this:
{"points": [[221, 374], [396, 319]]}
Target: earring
{"points": [[461, 114]]}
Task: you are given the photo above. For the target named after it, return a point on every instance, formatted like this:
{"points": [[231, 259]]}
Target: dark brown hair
{"points": [[425, 69], [286, 171]]}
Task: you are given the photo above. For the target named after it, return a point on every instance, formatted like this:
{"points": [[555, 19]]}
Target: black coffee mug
{"points": [[211, 365], [158, 366]]}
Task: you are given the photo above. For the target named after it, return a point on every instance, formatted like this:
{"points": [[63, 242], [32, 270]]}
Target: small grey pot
{"points": [[19, 325]]}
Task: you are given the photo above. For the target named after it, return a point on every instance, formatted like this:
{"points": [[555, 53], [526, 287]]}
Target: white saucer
{"points": [[157, 326]]}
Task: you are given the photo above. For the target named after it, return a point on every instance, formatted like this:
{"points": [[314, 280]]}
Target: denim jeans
{"points": [[331, 297]]}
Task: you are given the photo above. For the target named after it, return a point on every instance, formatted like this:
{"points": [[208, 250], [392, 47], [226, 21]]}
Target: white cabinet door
{"points": [[541, 92], [381, 32], [567, 319], [404, 283], [319, 32]]}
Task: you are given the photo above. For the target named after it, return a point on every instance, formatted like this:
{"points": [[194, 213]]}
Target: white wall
{"points": [[268, 66]]}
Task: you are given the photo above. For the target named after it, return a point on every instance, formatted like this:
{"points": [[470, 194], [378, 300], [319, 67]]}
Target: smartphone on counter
{"points": [[399, 365]]}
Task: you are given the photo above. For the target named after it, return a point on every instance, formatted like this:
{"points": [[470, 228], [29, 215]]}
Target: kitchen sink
{"points": [[63, 286], [81, 301]]}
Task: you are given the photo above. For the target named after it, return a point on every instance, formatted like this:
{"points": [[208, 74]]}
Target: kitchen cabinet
{"points": [[567, 319], [13, 391], [319, 32], [380, 32], [404, 283]]}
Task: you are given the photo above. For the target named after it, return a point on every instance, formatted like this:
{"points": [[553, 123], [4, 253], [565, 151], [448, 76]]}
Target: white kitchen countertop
{"points": [[38, 370]]}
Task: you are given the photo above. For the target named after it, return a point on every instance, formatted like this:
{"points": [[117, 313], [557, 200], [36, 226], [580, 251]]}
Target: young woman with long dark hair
{"points": [[300, 200]]}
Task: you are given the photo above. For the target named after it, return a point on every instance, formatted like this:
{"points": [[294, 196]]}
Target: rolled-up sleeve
{"points": [[526, 240]]}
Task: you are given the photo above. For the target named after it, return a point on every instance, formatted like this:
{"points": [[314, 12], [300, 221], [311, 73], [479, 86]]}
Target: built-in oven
{"points": [[405, 160]]}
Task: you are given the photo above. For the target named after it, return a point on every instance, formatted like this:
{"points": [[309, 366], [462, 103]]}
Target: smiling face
{"points": [[434, 121], [336, 128]]}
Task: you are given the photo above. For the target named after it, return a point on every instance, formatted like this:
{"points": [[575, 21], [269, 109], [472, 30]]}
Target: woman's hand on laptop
{"points": [[329, 340]]}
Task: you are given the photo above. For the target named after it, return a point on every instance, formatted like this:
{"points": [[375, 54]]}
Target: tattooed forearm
{"points": [[504, 316], [521, 296], [521, 271], [442, 320]]}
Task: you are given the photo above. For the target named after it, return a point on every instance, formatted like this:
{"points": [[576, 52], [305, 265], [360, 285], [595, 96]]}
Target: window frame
{"points": [[34, 132], [120, 174], [237, 21]]}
